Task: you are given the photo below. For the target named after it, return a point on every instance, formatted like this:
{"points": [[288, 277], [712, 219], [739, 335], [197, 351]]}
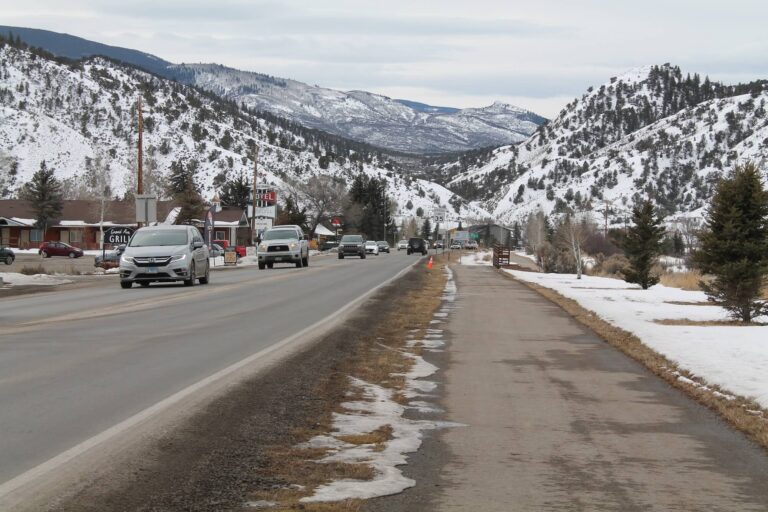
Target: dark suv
{"points": [[6, 256], [417, 245], [352, 245]]}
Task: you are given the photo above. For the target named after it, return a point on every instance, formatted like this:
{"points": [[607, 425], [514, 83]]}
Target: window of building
{"points": [[220, 235], [36, 235], [75, 236]]}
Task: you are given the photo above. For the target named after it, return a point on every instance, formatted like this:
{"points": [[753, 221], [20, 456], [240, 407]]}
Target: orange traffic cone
{"points": [[429, 264]]}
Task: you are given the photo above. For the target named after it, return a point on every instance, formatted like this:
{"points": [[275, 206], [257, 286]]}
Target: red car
{"points": [[239, 249], [48, 249]]}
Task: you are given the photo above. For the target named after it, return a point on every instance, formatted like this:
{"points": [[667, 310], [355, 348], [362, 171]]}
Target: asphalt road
{"points": [[77, 362]]}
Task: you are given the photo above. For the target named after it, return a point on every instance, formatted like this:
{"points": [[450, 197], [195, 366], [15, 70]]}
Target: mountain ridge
{"points": [[398, 125]]}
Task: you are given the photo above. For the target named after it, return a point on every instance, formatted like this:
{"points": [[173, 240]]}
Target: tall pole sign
{"points": [[255, 194]]}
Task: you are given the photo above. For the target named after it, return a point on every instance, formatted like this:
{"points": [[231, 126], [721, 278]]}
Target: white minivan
{"points": [[161, 254]]}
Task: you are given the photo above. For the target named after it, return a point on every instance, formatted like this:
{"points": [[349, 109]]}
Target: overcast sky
{"points": [[537, 54]]}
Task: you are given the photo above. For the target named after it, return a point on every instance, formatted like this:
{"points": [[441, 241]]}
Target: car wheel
{"points": [[270, 265], [8, 260], [207, 277], [306, 261], [362, 256], [126, 284], [71, 255], [341, 256], [43, 254], [300, 263], [192, 276], [262, 265], [144, 284]]}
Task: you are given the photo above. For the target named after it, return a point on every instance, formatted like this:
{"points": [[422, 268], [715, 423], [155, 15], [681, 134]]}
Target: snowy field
{"points": [[733, 357], [16, 279]]}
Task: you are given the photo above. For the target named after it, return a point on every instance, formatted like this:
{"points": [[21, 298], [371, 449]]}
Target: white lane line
{"points": [[27, 478]]}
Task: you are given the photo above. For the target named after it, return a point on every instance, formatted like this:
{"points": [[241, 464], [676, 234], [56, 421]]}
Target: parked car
{"points": [[372, 247], [239, 249], [6, 255], [329, 245], [417, 245], [402, 244], [352, 245], [383, 246], [165, 254], [283, 244], [109, 259], [455, 244], [471, 244], [216, 250], [438, 245], [48, 249]]}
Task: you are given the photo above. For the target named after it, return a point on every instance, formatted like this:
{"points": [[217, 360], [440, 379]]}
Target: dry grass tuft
{"points": [[379, 436], [683, 280], [705, 323], [31, 271], [687, 303], [735, 411]]}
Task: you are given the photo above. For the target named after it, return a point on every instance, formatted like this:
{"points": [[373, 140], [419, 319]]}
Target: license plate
{"points": [[278, 259], [152, 270]]}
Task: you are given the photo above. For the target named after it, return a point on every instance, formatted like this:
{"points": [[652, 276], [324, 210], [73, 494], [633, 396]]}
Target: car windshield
{"points": [[352, 238], [281, 234], [370, 242], [159, 238]]}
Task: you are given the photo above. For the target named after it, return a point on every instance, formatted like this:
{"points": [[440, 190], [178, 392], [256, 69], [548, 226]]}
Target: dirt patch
{"points": [[744, 414], [687, 303], [245, 446], [705, 323]]}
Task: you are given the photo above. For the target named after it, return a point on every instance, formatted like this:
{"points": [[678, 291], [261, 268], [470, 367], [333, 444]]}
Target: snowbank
{"points": [[733, 357], [16, 279], [482, 258]]}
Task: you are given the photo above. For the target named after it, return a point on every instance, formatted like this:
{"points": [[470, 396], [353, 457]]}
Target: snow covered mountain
{"points": [[651, 132], [378, 120], [397, 125], [69, 113]]}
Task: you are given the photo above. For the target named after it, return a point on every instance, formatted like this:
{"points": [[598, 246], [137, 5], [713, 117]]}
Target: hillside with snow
{"points": [[651, 132], [371, 118], [69, 113]]}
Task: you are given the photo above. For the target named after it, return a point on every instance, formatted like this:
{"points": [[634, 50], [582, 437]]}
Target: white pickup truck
{"points": [[283, 244]]}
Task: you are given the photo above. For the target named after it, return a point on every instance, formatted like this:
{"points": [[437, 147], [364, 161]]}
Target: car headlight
{"points": [[126, 259], [263, 247], [179, 257], [293, 245]]}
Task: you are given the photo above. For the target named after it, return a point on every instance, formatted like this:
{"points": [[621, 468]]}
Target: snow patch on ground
{"points": [[378, 409], [482, 258], [16, 279], [732, 357]]}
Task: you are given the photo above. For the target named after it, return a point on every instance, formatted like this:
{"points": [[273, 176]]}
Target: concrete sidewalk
{"points": [[559, 420]]}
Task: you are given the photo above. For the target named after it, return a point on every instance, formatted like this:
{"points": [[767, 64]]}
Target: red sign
{"points": [[336, 222], [266, 197]]}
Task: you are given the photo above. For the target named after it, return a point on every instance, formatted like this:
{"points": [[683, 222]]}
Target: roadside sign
{"points": [[336, 222], [474, 236], [146, 208], [230, 257], [439, 214], [117, 235]]}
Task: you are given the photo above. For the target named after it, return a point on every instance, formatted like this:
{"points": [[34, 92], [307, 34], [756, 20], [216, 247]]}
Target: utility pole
{"points": [[140, 177], [255, 181]]}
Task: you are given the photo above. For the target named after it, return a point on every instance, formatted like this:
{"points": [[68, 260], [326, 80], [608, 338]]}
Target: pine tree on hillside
{"points": [[236, 192], [185, 192], [45, 195], [734, 246], [642, 244]]}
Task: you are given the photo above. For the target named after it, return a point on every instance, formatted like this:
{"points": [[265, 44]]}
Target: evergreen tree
{"points": [[734, 245], [292, 214], [642, 245], [185, 192], [45, 195], [236, 192], [426, 229]]}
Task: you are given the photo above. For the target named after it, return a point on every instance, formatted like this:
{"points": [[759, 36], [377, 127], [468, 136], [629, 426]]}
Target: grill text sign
{"points": [[117, 235]]}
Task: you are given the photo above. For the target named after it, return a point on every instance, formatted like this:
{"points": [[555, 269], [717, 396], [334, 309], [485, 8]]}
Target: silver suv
{"points": [[165, 254], [283, 244]]}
